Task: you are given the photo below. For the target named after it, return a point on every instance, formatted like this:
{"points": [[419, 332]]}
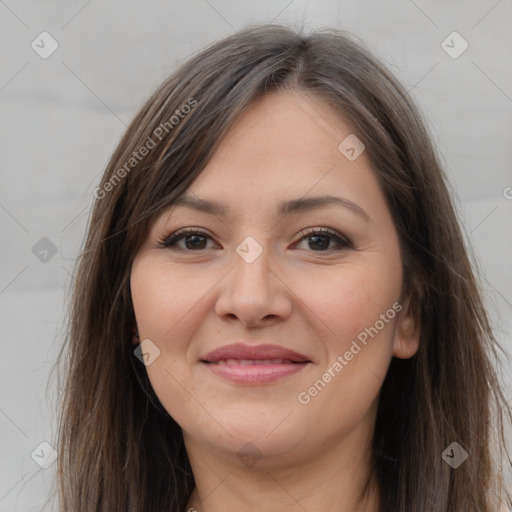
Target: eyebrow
{"points": [[284, 208]]}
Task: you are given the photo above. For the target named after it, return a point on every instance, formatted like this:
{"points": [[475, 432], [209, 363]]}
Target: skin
{"points": [[314, 301]]}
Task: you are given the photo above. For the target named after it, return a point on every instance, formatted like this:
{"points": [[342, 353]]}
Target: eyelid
{"points": [[327, 231], [179, 234], [175, 236]]}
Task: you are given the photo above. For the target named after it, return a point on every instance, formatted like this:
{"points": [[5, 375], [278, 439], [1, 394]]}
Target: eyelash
{"points": [[169, 242]]}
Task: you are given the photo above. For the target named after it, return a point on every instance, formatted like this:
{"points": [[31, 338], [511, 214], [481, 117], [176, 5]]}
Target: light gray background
{"points": [[61, 117]]}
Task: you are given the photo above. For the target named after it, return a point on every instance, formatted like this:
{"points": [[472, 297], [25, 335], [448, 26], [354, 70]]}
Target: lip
{"points": [[269, 362], [257, 352]]}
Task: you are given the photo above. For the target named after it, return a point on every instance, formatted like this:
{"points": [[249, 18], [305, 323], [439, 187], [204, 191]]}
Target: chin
{"points": [[261, 441]]}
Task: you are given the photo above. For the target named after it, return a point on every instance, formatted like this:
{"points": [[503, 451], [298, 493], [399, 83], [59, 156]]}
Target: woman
{"points": [[274, 309]]}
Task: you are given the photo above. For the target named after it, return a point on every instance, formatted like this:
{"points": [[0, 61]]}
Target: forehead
{"points": [[285, 146], [286, 126]]}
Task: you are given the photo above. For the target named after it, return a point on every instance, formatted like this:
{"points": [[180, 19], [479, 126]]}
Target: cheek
{"points": [[348, 300], [164, 297], [345, 388], [358, 310], [166, 307]]}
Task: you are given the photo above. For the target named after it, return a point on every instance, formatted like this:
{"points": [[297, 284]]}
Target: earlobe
{"points": [[407, 334]]}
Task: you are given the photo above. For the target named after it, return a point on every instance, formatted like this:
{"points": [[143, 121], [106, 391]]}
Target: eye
{"points": [[196, 240], [322, 237], [192, 238]]}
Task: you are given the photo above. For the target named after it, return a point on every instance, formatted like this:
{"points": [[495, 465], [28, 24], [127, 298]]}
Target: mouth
{"points": [[248, 364], [253, 362], [254, 371]]}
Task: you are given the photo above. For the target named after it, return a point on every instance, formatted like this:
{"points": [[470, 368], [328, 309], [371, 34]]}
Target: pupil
{"points": [[325, 240], [322, 242], [197, 242]]}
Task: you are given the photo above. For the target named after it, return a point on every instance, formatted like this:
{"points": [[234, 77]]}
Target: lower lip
{"points": [[256, 373]]}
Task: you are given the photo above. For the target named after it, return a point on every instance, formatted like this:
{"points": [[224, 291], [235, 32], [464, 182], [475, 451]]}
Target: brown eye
{"points": [[194, 240], [321, 238]]}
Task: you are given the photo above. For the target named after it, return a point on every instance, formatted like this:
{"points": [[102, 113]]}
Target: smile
{"points": [[254, 371], [243, 362]]}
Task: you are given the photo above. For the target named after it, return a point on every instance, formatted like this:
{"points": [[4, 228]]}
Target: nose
{"points": [[254, 291]]}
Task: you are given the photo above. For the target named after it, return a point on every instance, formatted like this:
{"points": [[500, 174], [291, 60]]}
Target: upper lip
{"points": [[258, 352]]}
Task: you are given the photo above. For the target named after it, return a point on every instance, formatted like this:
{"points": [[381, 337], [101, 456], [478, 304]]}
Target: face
{"points": [[321, 279]]}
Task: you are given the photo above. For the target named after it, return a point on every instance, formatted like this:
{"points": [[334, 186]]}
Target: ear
{"points": [[135, 336], [407, 333]]}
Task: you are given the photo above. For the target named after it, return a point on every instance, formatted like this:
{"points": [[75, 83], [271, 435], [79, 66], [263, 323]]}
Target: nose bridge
{"points": [[251, 272], [251, 291]]}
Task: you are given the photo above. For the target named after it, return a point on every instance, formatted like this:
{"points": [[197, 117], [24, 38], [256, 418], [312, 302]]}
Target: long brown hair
{"points": [[119, 449]]}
